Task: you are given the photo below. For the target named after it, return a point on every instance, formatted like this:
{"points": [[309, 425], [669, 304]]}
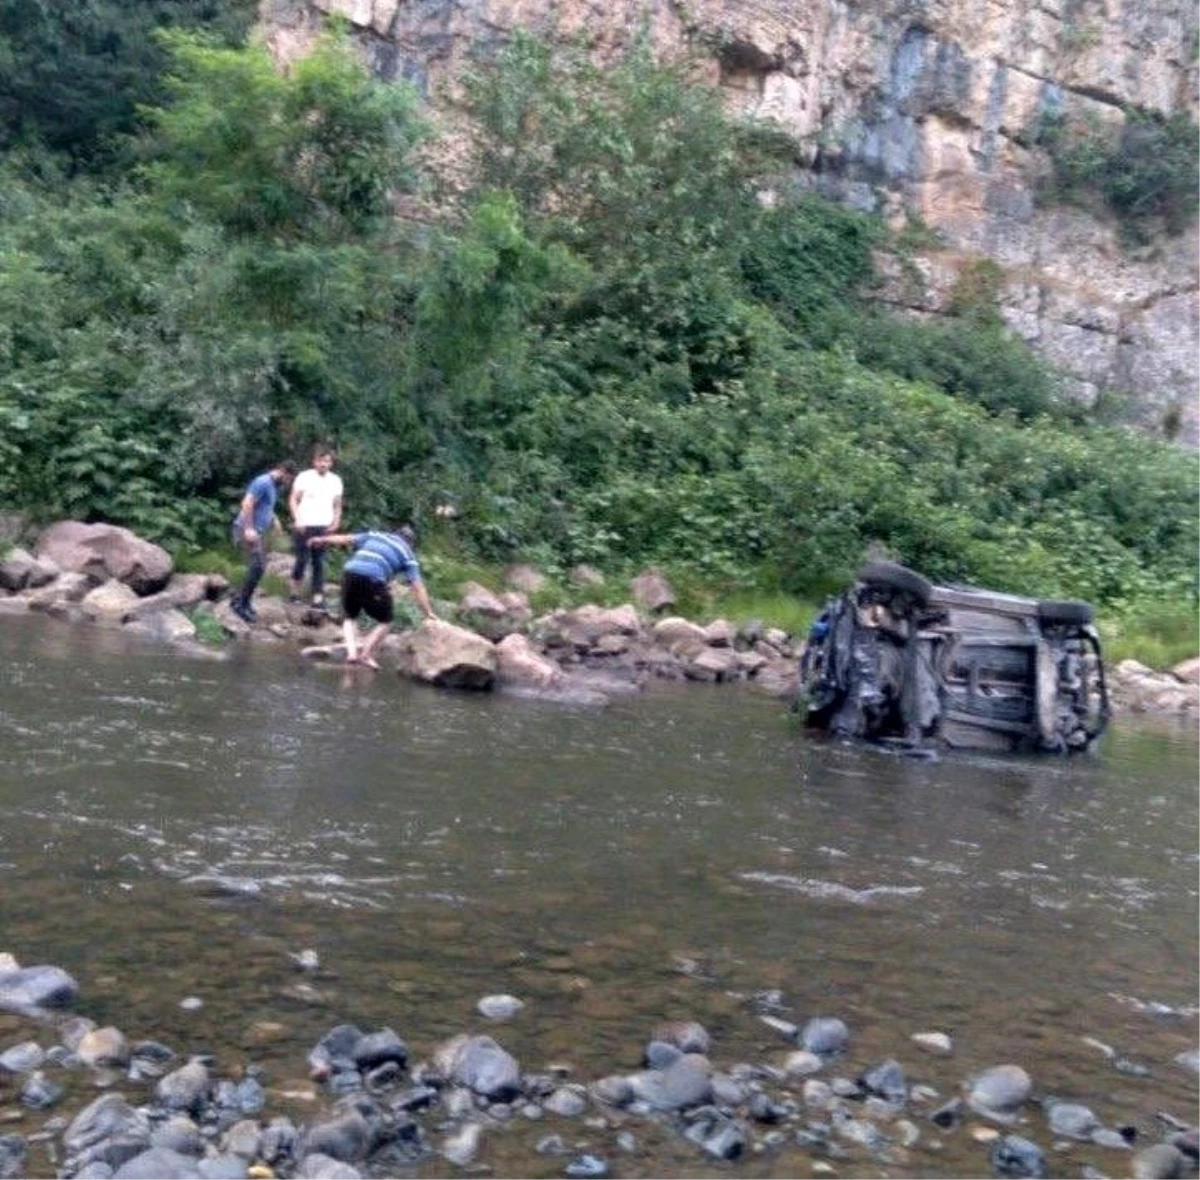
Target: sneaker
{"points": [[243, 610]]}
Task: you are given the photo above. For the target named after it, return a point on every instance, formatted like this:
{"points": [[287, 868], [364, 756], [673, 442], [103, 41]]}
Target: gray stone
{"points": [[886, 1080], [825, 1034], [38, 1091], [686, 1035], [345, 1137], [22, 1058], [103, 1046], [683, 1084], [1000, 1090], [484, 1067], [316, 1166], [37, 987], [1160, 1162], [376, 1048], [178, 1134], [567, 1101], [103, 551], [159, 1163], [613, 1090], [13, 1155], [1071, 1119], [499, 1007], [224, 1167], [1011, 1155], [109, 1117], [186, 1088]]}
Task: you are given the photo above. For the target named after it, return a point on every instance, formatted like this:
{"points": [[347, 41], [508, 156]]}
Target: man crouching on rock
{"points": [[378, 557]]}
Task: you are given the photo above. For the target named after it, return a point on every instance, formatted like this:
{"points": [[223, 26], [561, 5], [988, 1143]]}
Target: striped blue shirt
{"points": [[381, 556]]}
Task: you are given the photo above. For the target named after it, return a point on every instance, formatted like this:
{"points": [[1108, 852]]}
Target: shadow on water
{"points": [[176, 828]]}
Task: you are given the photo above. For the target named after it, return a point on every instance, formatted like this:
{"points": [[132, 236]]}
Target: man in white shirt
{"points": [[316, 507]]}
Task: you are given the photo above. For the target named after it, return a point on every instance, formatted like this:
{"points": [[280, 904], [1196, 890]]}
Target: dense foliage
{"points": [[606, 346], [1144, 171]]}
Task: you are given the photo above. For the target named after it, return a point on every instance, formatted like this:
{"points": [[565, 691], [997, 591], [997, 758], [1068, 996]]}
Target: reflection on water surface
{"points": [[175, 828]]}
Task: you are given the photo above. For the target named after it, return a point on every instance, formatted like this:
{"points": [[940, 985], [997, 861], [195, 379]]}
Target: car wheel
{"points": [[897, 577], [1065, 612]]}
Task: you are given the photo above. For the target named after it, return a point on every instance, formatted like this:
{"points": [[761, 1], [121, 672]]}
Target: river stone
{"points": [[802, 1064], [933, 1042], [660, 1055], [587, 1167], [1107, 1137], [817, 1093], [109, 1117], [1012, 1155], [785, 1028], [223, 1167], [1160, 1162], [376, 1048], [999, 1090], [483, 1066], [39, 1092], [886, 1080], [37, 987], [613, 1090], [103, 1046], [22, 1058], [460, 1148], [158, 1163], [567, 1101], [185, 1088], [335, 1048], [685, 1083], [1072, 1120], [346, 1137], [652, 592], [1189, 1059], [178, 1134], [103, 551], [243, 1139], [448, 656], [95, 1170], [727, 1091], [686, 1035], [13, 1154], [825, 1034], [499, 1007], [322, 1167]]}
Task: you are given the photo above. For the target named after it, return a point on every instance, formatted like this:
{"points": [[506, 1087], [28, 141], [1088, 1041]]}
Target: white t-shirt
{"points": [[315, 495]]}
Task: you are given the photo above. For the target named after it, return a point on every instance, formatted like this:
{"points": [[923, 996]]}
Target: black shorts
{"points": [[363, 595]]}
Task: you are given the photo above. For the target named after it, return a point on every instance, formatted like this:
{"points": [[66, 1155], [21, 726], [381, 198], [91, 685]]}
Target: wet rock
{"points": [[1011, 1155], [551, 1145], [461, 1147], [109, 1117], [243, 1139], [721, 1137], [567, 1101], [999, 1091], [660, 1055], [37, 987], [1106, 1137], [727, 1091], [587, 1167], [322, 1167], [1188, 1142], [22, 1058], [613, 1091], [934, 1042], [1071, 1120], [158, 1163], [223, 1167], [886, 1080], [1163, 1161], [762, 1109], [817, 1093], [499, 1007], [685, 1083], [376, 1048], [346, 1136], [484, 1067], [785, 1028], [38, 1092], [278, 1140], [1189, 1060], [825, 1034], [103, 1046], [861, 1131], [335, 1050], [686, 1035], [802, 1064], [13, 1155], [178, 1134], [186, 1088]]}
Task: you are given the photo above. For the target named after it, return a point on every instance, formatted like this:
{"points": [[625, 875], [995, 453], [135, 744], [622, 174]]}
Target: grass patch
{"points": [[1159, 635]]}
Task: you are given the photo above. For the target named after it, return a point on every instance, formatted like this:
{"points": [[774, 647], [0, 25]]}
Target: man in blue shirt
{"points": [[378, 557], [255, 517]]}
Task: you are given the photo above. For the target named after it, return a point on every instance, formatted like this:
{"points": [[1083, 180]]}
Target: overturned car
{"points": [[898, 660]]}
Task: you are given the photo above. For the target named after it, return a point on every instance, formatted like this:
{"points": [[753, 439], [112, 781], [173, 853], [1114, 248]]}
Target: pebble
{"points": [[191, 1003], [997, 1092], [1011, 1155], [825, 1034], [1160, 1162], [499, 1007], [587, 1167], [934, 1042]]}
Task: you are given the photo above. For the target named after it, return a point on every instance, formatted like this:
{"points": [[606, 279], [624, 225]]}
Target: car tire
{"points": [[1065, 612], [897, 577]]}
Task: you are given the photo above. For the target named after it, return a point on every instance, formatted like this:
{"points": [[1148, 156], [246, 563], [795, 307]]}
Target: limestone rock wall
{"points": [[915, 109]]}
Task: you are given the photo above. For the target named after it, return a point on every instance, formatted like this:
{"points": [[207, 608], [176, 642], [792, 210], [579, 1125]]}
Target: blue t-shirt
{"points": [[381, 556], [262, 488]]}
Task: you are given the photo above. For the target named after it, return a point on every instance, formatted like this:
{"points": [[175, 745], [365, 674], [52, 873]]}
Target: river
{"points": [[175, 828]]}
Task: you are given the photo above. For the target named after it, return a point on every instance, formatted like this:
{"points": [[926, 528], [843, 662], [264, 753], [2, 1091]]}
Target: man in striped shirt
{"points": [[378, 557]]}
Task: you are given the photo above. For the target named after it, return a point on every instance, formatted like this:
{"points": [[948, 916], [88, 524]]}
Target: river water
{"points": [[174, 827]]}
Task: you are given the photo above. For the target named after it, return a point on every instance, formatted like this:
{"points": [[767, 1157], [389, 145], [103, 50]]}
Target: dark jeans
{"points": [[300, 546], [256, 562]]}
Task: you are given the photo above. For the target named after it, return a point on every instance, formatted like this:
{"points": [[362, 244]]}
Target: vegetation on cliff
{"points": [[607, 346]]}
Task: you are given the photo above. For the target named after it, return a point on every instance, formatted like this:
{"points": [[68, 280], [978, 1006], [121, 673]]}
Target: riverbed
{"points": [[176, 829]]}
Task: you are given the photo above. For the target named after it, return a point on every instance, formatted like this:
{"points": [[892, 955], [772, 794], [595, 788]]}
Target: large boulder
{"points": [[448, 656], [584, 626], [103, 551], [652, 592], [20, 570], [519, 662]]}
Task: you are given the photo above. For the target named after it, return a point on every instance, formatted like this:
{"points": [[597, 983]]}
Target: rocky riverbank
{"points": [[107, 576], [169, 1112]]}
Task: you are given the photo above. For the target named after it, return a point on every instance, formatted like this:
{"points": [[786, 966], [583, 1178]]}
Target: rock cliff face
{"points": [[916, 109]]}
